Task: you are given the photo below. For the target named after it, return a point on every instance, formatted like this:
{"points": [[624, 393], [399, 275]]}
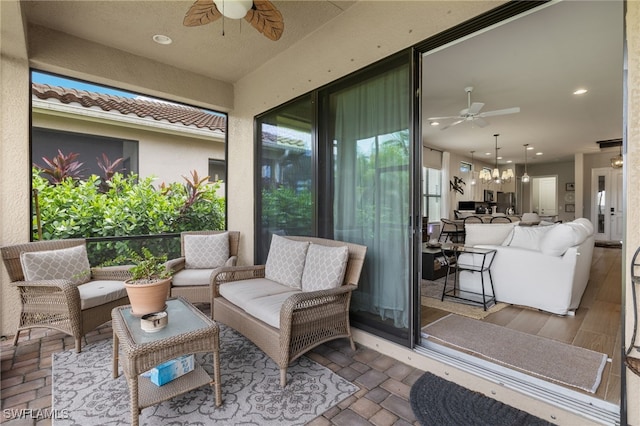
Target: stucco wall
{"points": [[632, 170], [157, 152]]}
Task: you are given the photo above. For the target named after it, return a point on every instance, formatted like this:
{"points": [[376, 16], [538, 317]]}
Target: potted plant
{"points": [[150, 282]]}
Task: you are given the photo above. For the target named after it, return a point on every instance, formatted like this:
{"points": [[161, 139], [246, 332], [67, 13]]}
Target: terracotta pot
{"points": [[148, 298]]}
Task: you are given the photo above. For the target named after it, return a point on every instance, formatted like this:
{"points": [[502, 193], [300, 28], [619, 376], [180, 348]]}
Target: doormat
{"points": [[538, 356], [436, 401]]}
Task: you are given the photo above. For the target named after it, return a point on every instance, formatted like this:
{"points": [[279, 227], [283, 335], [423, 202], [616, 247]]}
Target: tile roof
{"points": [[143, 108]]}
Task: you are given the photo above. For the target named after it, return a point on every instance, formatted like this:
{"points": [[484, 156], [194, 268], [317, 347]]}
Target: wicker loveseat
{"points": [[285, 319], [64, 292]]}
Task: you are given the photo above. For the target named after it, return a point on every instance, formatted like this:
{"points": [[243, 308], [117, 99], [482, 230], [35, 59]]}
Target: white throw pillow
{"points": [[324, 267], [70, 264], [528, 237], [486, 233], [285, 261], [206, 251], [557, 240]]}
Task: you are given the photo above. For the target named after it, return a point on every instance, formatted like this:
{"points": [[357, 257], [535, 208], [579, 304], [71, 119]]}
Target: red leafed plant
{"points": [[108, 169], [61, 167], [194, 188]]}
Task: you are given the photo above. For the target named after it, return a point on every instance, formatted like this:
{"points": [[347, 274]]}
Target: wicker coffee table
{"points": [[188, 331]]}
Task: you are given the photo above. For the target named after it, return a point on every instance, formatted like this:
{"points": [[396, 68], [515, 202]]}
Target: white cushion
{"points": [[486, 233], [241, 292], [190, 277], [557, 240], [70, 264], [206, 251], [285, 261], [96, 293], [324, 267], [267, 309], [528, 237]]}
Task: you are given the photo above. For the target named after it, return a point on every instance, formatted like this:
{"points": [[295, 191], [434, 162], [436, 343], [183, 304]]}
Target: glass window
{"points": [[432, 185], [465, 167], [285, 204]]}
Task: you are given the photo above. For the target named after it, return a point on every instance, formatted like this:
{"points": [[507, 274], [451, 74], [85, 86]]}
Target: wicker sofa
{"points": [[285, 319], [63, 292]]}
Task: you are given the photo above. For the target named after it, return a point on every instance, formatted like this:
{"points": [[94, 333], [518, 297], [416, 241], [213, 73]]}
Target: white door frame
{"points": [[613, 213]]}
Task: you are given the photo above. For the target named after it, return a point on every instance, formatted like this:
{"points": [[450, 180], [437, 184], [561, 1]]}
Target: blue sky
{"points": [[42, 78]]}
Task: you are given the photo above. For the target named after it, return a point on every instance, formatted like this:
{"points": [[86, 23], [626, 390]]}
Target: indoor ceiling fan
{"points": [[261, 14], [472, 113]]}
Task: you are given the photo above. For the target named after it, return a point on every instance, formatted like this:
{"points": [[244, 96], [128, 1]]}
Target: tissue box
{"points": [[170, 370]]}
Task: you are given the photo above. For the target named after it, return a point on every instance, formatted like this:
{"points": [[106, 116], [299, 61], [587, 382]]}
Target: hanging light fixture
{"points": [[473, 174], [525, 176], [233, 9], [616, 162], [495, 175]]}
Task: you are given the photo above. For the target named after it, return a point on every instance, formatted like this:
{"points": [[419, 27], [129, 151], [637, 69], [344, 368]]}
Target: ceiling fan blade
{"points": [[453, 124], [265, 18], [500, 112], [480, 122], [200, 13], [444, 118], [475, 108]]}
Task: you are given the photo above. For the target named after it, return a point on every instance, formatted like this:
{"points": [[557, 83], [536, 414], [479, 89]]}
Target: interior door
{"points": [[607, 209], [545, 200]]}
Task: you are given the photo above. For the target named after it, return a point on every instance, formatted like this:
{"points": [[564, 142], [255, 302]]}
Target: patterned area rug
{"points": [[83, 389]]}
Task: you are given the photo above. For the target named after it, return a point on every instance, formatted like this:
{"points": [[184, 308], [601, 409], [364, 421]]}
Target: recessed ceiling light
{"points": [[509, 161], [580, 91], [487, 153], [162, 39], [434, 123], [538, 153], [530, 148], [500, 158]]}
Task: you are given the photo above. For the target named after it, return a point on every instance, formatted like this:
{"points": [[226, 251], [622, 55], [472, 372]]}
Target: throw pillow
{"points": [[557, 240], [206, 251], [285, 261], [528, 237], [70, 264], [324, 267]]}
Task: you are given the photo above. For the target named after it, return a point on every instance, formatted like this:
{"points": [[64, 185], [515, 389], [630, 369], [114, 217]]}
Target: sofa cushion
{"points": [[190, 277], [285, 261], [324, 267], [557, 240], [267, 309], [486, 233], [528, 237], [206, 251], [96, 293], [241, 292], [70, 264]]}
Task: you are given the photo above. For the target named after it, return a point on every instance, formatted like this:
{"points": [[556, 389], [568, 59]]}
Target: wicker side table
{"points": [[188, 331]]}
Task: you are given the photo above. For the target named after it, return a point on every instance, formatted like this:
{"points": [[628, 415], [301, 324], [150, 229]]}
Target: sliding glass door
{"points": [[351, 180]]}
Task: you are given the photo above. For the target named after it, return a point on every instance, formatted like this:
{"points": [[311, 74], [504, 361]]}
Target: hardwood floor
{"points": [[596, 324]]}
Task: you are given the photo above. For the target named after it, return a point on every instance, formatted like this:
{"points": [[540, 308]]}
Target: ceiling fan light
{"points": [[234, 9]]}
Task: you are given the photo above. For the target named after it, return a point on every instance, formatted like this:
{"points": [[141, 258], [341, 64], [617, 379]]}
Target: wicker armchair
{"points": [[307, 319], [60, 304], [194, 284]]}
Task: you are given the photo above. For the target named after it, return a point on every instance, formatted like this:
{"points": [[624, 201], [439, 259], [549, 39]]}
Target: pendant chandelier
{"points": [[506, 176], [525, 176], [616, 162]]}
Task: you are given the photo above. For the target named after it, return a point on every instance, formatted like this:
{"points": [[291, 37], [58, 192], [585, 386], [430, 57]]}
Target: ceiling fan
{"points": [[261, 14], [472, 113]]}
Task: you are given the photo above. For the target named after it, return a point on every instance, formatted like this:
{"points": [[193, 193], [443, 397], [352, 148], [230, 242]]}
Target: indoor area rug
{"points": [[83, 389], [545, 358], [436, 401], [431, 292]]}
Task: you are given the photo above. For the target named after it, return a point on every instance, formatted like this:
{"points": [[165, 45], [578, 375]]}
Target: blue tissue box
{"points": [[171, 370]]}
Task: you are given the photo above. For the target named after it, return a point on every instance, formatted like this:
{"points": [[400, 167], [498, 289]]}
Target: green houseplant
{"points": [[150, 282]]}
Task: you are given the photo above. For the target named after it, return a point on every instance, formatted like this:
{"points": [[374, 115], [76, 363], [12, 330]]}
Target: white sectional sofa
{"points": [[543, 267]]}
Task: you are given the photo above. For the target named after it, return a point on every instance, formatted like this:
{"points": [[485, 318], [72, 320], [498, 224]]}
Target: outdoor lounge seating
{"points": [[58, 288], [298, 300], [201, 253]]}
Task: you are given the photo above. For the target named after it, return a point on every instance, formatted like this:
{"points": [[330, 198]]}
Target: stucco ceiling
{"points": [[534, 62]]}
